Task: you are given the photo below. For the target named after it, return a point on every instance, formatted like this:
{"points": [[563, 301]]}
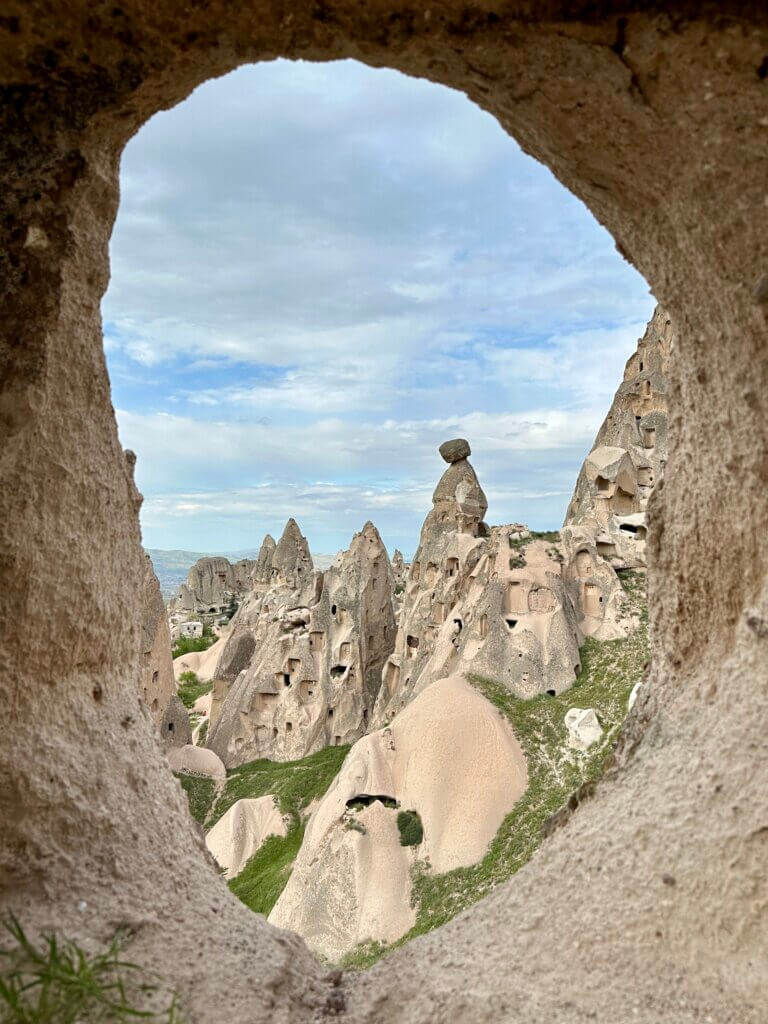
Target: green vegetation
{"points": [[399, 588], [550, 535], [609, 670], [191, 688], [200, 792], [410, 828], [59, 983], [295, 784], [190, 644], [266, 874]]}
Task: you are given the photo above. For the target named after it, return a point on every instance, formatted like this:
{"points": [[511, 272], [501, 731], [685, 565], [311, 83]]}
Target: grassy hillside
{"points": [[555, 771]]}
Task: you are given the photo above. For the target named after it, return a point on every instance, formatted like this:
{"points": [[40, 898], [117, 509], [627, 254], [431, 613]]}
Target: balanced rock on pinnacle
{"points": [[456, 450]]}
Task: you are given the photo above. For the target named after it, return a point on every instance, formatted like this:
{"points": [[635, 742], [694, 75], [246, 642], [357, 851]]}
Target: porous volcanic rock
{"points": [[629, 453], [456, 450], [212, 585], [157, 684], [301, 668]]}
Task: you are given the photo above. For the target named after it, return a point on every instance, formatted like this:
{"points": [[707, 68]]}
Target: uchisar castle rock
{"points": [[468, 693]]}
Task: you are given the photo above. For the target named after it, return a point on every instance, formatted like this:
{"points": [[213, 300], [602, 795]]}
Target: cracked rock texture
{"points": [[649, 904]]}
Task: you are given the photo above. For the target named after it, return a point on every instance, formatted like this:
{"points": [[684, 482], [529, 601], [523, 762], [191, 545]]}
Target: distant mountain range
{"points": [[172, 566]]}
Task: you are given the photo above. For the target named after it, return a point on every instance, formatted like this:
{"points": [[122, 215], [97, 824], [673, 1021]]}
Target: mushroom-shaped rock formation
{"points": [[452, 759], [496, 601], [302, 664], [629, 453], [240, 832]]}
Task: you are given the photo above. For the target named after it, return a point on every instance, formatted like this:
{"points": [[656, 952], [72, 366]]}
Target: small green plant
{"points": [[191, 689], [399, 588], [518, 562], [57, 982], [410, 828], [353, 825]]}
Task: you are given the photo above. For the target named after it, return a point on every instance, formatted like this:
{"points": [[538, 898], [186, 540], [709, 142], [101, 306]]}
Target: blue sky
{"points": [[322, 271]]}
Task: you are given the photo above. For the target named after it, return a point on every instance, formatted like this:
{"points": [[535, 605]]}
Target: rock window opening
{"points": [[451, 566], [411, 643], [638, 418], [370, 639], [641, 366], [274, 733], [576, 669], [305, 689], [155, 677], [293, 665], [602, 484], [551, 693], [647, 389], [628, 528], [649, 437], [337, 740], [337, 671], [357, 803], [170, 727], [511, 623], [606, 549], [330, 712], [459, 624], [333, 609], [286, 679], [289, 726]]}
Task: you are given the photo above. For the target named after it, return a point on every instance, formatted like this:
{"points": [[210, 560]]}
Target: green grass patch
{"points": [[410, 828], [266, 874], [57, 982], [200, 791], [609, 670], [191, 689], [191, 644], [295, 784]]}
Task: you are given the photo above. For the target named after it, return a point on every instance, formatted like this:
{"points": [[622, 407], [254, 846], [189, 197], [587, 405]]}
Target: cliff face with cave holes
{"points": [[212, 584], [629, 453], [301, 665]]}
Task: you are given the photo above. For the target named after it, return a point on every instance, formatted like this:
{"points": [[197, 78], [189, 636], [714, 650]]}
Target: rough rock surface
{"points": [[583, 727], [213, 585], [449, 756], [650, 113], [175, 730], [239, 833], [157, 682], [456, 450], [203, 663], [496, 601], [301, 668], [629, 453]]}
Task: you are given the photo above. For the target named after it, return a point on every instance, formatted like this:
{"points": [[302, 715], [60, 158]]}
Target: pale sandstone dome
{"points": [[240, 832], [646, 114], [196, 761], [301, 666], [449, 756]]}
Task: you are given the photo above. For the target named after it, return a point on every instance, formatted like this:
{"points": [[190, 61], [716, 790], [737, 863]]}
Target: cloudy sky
{"points": [[319, 273]]}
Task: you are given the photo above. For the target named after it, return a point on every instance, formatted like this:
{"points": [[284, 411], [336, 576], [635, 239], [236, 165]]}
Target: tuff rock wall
{"points": [[650, 904]]}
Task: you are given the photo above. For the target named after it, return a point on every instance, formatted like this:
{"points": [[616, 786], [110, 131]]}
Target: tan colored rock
{"points": [[157, 684], [652, 116], [203, 663], [629, 453], [212, 585], [449, 756], [301, 668], [196, 761], [240, 832], [175, 729]]}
